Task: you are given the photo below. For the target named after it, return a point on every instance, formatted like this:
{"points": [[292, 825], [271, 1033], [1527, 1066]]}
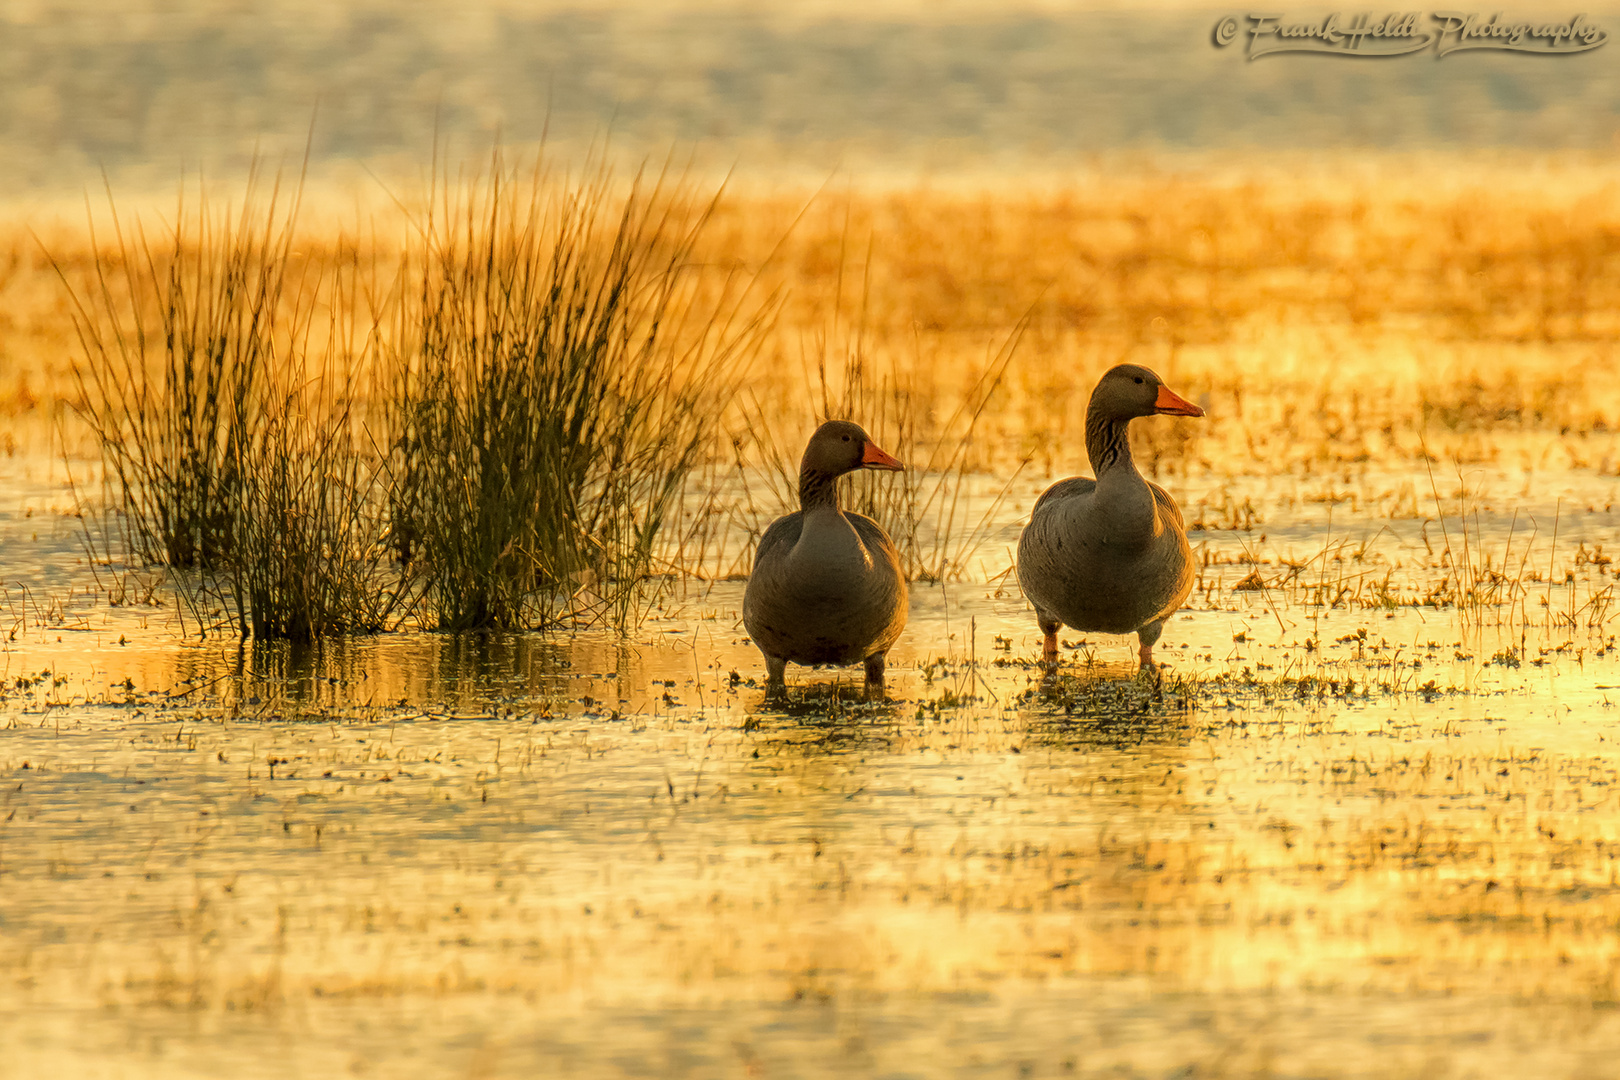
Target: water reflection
{"points": [[836, 724], [489, 832], [985, 842]]}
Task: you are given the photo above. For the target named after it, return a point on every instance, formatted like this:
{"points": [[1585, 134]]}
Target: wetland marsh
{"points": [[1366, 825]]}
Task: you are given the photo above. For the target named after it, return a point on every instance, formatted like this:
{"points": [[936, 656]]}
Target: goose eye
{"points": [[846, 438], [1139, 380]]}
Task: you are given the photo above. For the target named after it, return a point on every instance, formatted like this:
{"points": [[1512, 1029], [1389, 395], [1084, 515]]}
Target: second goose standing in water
{"points": [[827, 586], [1109, 555]]}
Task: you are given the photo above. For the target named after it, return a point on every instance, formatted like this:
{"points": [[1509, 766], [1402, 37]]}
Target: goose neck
{"points": [[1108, 442], [817, 490]]}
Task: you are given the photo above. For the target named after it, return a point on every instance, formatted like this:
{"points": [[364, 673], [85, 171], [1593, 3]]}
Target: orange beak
{"points": [[874, 458], [1171, 403]]}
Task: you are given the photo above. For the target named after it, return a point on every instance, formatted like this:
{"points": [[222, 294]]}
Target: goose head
{"points": [[1130, 390], [839, 446]]}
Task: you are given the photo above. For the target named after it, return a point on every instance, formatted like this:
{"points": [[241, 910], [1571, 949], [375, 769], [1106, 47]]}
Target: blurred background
{"points": [[144, 88]]}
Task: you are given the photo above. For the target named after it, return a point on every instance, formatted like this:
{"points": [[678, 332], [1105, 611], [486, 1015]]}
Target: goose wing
{"points": [[1066, 489], [1167, 506]]}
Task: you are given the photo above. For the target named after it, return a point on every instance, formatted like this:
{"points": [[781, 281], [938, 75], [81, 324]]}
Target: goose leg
{"points": [[874, 674], [775, 675], [1147, 635], [1049, 645]]}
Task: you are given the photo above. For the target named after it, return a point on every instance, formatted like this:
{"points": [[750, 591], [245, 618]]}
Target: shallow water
{"points": [[1353, 840]]}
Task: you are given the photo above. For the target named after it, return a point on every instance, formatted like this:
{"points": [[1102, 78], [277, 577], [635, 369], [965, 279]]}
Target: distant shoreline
{"points": [[144, 95]]}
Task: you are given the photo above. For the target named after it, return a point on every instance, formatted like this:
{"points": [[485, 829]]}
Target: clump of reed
{"points": [[488, 426], [311, 557], [224, 409], [560, 370]]}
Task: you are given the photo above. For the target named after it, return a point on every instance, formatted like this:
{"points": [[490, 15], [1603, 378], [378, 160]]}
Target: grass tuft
{"points": [[560, 370], [223, 407]]}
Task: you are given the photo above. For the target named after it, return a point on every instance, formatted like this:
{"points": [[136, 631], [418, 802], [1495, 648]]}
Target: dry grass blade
{"points": [[924, 509]]}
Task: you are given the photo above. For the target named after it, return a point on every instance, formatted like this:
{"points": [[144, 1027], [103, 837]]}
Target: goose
{"points": [[827, 586], [1109, 555]]}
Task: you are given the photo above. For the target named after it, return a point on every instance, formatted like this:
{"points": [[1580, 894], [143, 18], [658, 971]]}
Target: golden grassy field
{"points": [[1368, 825], [1386, 301], [1397, 339]]}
